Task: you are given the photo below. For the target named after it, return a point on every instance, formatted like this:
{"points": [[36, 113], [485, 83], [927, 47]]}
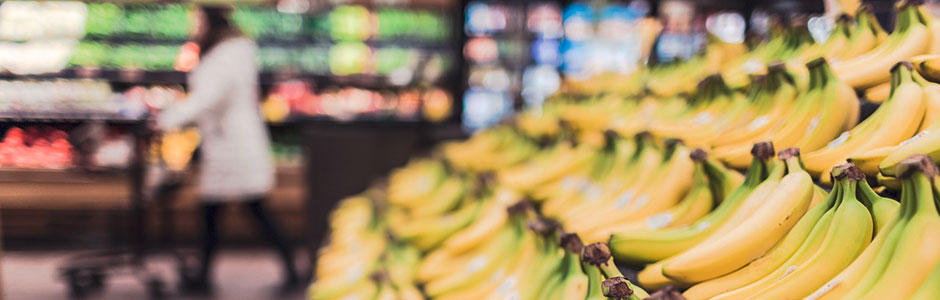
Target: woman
{"points": [[236, 164]]}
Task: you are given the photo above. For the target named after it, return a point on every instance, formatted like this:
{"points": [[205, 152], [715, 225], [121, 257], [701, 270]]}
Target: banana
{"points": [[789, 131], [410, 185], [879, 93], [578, 188], [774, 258], [655, 245], [891, 124], [479, 264], [428, 232], [911, 38], [598, 254], [660, 191], [854, 274], [445, 197], [834, 116], [503, 281], [866, 35], [916, 252], [930, 289], [694, 205], [545, 169], [850, 232], [928, 66], [883, 210], [778, 213], [778, 94], [575, 282]]}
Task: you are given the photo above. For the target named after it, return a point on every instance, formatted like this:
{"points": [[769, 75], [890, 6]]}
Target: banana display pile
{"points": [[647, 171]]}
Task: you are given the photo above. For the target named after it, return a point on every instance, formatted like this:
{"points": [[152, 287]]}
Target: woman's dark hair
{"points": [[218, 27]]}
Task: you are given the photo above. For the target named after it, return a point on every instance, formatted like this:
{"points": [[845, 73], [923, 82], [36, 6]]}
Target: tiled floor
{"points": [[240, 274]]}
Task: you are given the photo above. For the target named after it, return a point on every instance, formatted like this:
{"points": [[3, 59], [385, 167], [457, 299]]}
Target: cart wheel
{"points": [[156, 288], [80, 284]]}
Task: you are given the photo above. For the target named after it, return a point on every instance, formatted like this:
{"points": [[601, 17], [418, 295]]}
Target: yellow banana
{"points": [[776, 216], [916, 252], [774, 258]]}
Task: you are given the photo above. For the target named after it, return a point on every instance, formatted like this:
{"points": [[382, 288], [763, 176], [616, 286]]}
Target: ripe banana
{"points": [[779, 212]]}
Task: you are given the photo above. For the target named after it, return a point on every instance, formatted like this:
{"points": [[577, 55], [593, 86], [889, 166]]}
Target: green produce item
{"points": [[349, 58], [430, 26], [393, 23], [250, 20], [272, 58], [146, 57], [104, 19], [350, 23], [286, 25], [315, 59], [138, 18], [89, 54], [391, 58], [170, 21], [317, 26]]}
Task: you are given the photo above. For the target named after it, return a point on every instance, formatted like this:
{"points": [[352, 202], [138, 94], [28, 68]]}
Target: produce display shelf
{"points": [[136, 76], [70, 117], [67, 175], [298, 41]]}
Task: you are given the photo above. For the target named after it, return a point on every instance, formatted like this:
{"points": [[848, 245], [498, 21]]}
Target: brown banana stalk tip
{"points": [[905, 64], [920, 162], [698, 155], [572, 242], [520, 207], [763, 150], [610, 134], [816, 62], [643, 134], [670, 142], [849, 170], [788, 153], [776, 67], [617, 287], [845, 18], [596, 254]]}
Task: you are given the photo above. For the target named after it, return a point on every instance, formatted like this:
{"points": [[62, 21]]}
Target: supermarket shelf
{"points": [[112, 75], [131, 76], [71, 117], [70, 175], [299, 41]]}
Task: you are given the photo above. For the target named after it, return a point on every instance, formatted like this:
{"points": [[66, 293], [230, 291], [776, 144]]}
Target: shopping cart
{"points": [[154, 187]]}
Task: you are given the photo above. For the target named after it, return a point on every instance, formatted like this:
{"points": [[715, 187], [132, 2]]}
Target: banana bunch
{"points": [[898, 264], [628, 193], [611, 166], [491, 149], [770, 210], [653, 245], [826, 240], [816, 115], [714, 110], [785, 44], [671, 79], [914, 35], [897, 120], [671, 193], [355, 245]]}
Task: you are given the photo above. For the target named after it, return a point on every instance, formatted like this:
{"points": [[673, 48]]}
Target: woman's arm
{"points": [[212, 86]]}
